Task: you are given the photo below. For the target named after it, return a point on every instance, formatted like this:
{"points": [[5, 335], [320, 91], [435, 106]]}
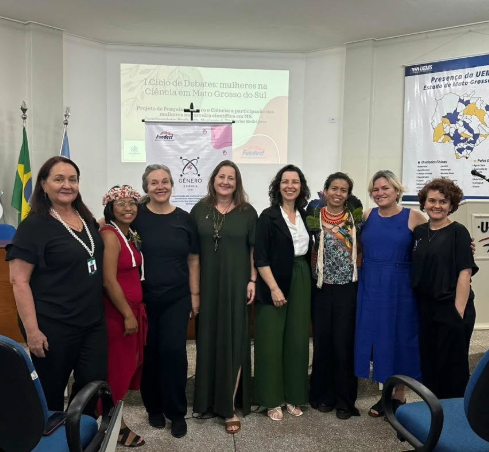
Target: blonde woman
{"points": [[387, 312]]}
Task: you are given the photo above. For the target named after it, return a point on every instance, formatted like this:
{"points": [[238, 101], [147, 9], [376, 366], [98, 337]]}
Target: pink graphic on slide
{"points": [[268, 143], [221, 136]]}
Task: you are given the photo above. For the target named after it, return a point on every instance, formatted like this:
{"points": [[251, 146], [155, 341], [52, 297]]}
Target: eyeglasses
{"points": [[124, 204]]}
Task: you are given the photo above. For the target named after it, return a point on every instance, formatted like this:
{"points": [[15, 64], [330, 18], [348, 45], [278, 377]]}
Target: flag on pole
{"points": [[65, 145], [23, 182]]}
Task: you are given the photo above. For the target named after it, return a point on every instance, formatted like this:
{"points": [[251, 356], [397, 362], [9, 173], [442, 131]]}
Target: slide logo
{"points": [[164, 136], [421, 69], [254, 151], [189, 166]]}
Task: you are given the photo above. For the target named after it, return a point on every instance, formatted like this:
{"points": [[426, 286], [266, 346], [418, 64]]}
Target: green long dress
{"points": [[223, 342]]}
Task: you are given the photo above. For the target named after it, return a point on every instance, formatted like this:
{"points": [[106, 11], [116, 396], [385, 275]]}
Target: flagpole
{"points": [[24, 108], [23, 179], [67, 115]]}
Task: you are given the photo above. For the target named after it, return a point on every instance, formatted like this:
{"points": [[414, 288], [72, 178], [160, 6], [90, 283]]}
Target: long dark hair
{"points": [[274, 189], [240, 198], [40, 202]]}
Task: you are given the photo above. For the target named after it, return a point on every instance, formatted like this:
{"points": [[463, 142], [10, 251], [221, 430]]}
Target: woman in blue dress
{"points": [[387, 311]]}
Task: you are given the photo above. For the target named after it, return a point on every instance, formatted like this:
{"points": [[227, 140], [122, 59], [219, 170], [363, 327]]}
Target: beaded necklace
{"points": [[129, 248], [91, 250], [333, 218]]}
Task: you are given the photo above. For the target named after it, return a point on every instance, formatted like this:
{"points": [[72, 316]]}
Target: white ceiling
{"points": [[274, 25]]}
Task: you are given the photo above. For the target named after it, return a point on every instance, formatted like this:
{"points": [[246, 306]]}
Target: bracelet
{"points": [[253, 281], [198, 293]]}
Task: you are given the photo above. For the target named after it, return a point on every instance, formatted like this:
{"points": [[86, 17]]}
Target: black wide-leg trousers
{"points": [[444, 339], [333, 382], [165, 363]]}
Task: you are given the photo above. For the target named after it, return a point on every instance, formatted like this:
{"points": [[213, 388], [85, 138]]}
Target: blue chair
{"points": [[7, 231], [449, 425], [24, 416]]}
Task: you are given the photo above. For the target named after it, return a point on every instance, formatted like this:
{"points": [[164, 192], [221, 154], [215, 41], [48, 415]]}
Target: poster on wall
{"points": [[446, 125], [191, 151]]}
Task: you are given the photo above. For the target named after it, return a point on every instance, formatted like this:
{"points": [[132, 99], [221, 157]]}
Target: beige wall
{"points": [[32, 70]]}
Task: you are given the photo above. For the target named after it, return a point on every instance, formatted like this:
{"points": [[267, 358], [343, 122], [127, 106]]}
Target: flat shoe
{"points": [[275, 411], [156, 420], [294, 410], [378, 408], [136, 442], [179, 428], [322, 407], [229, 424], [343, 414]]}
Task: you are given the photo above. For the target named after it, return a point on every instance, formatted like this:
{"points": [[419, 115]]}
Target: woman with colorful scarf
{"points": [[335, 226]]}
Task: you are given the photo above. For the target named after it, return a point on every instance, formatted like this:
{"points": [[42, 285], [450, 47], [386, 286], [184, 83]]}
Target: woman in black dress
{"points": [[442, 268]]}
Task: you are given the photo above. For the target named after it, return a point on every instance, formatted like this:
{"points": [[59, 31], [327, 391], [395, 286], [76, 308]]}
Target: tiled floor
{"points": [[314, 431]]}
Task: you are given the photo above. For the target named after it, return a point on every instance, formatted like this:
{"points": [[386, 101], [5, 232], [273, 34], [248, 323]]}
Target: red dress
{"points": [[125, 352]]}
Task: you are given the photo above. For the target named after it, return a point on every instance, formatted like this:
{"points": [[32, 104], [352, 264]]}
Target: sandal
{"points": [[231, 423], [136, 441], [376, 410], [294, 410], [275, 414]]}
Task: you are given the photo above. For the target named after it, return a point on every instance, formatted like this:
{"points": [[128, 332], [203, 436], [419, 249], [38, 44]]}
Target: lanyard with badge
{"points": [[91, 262]]}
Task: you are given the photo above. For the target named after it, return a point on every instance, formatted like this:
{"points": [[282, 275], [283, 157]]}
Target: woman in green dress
{"points": [[226, 227]]}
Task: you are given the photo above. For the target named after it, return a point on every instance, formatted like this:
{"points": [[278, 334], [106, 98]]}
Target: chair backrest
{"points": [[476, 399], [23, 407], [7, 231], [109, 444]]}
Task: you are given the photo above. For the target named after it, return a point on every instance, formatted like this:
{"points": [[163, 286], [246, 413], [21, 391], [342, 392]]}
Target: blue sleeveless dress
{"points": [[387, 311]]}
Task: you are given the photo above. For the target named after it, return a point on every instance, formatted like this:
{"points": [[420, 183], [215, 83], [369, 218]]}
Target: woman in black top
{"points": [[442, 268], [170, 248], [56, 274]]}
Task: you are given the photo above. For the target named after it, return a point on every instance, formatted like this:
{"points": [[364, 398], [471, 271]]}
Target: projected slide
{"points": [[257, 100]]}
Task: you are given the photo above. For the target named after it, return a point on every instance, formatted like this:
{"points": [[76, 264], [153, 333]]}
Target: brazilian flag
{"points": [[23, 182]]}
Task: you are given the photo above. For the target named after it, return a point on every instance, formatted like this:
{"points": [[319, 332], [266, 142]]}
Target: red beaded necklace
{"points": [[332, 218]]}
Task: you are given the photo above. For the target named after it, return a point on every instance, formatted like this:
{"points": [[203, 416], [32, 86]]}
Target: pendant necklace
{"points": [[436, 232], [433, 236], [218, 220]]}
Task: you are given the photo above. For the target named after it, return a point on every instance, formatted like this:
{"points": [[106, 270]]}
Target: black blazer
{"points": [[274, 248]]}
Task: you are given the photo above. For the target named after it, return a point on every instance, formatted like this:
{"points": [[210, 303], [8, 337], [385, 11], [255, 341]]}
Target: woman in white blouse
{"points": [[282, 314]]}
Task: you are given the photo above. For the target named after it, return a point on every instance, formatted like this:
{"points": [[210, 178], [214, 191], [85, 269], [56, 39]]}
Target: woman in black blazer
{"points": [[282, 314]]}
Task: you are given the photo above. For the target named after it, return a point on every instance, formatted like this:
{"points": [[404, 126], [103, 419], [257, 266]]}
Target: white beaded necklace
{"points": [[91, 250], [129, 248]]}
